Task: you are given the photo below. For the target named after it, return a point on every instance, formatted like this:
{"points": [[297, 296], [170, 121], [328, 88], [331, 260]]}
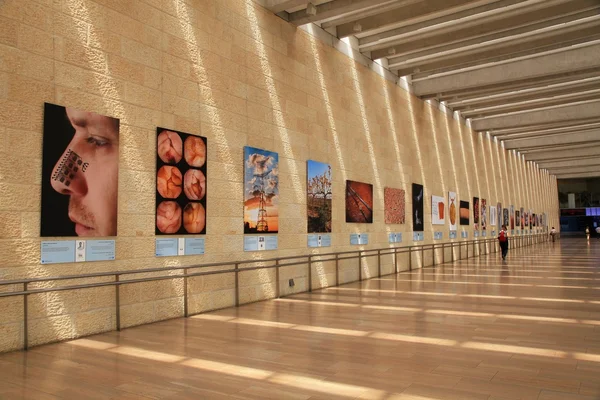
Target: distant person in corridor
{"points": [[503, 240], [553, 234]]}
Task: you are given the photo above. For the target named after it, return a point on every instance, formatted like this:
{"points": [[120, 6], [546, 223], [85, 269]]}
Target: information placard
{"points": [[54, 252], [418, 236], [167, 247], [194, 246], [359, 238], [260, 243], [437, 235], [395, 237], [452, 234], [493, 233], [317, 240], [484, 233], [464, 235], [99, 250], [476, 234]]}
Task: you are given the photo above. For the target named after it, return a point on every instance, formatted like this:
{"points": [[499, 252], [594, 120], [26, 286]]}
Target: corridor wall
{"points": [[234, 73]]}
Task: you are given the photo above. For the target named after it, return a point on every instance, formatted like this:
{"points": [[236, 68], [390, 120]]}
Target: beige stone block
{"points": [[160, 289], [35, 41], [135, 203], [11, 337], [12, 308], [15, 197], [51, 329], [140, 53], [9, 31], [142, 96], [17, 115], [29, 90], [94, 322], [10, 223], [30, 13], [168, 308], [136, 314], [136, 225], [256, 277]]}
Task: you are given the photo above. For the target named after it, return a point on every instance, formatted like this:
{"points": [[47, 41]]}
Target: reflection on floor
{"points": [[527, 328]]}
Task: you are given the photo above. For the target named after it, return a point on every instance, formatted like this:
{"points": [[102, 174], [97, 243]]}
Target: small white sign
{"points": [[80, 250], [180, 246]]}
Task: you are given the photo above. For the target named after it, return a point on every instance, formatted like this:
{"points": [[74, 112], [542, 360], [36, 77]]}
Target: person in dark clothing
{"points": [[503, 240]]}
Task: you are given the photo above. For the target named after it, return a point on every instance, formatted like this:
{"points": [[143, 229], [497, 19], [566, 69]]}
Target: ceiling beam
{"points": [[590, 151], [426, 25], [590, 137], [582, 174], [277, 6], [555, 127], [567, 112], [580, 162], [364, 13], [510, 106], [446, 43], [497, 51], [482, 31], [525, 95], [579, 57], [511, 86], [331, 9], [410, 13]]}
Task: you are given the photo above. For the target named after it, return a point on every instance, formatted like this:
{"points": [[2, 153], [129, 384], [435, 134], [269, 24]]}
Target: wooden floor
{"points": [[481, 329]]}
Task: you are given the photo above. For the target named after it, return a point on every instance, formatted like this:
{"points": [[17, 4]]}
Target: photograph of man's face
{"points": [[80, 169]]}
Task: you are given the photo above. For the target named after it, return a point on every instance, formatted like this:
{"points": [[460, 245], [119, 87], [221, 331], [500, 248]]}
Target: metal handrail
{"points": [[186, 272]]}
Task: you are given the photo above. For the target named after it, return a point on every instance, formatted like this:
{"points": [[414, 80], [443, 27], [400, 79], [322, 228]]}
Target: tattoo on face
{"points": [[69, 165]]}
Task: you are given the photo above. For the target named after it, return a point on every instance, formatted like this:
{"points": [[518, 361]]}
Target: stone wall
{"points": [[233, 72]]}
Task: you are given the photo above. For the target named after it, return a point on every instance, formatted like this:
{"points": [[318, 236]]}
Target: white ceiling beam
{"points": [[554, 127], [591, 137], [580, 162], [567, 112], [525, 94], [579, 57], [590, 151], [331, 9], [501, 49], [410, 13], [277, 6], [592, 173], [500, 35], [354, 17], [510, 86], [510, 28], [426, 26], [510, 106]]}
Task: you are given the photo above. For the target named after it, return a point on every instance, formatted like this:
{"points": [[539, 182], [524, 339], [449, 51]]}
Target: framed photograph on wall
{"points": [[80, 173], [453, 209], [261, 191], [181, 182], [359, 202], [320, 195], [465, 213], [476, 206], [438, 210], [394, 205], [418, 194]]}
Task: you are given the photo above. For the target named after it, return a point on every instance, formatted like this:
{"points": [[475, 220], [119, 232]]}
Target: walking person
{"points": [[503, 240], [598, 231], [553, 234], [587, 233]]}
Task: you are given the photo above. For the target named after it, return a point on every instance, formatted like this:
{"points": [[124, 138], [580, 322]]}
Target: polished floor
{"points": [[481, 329]]}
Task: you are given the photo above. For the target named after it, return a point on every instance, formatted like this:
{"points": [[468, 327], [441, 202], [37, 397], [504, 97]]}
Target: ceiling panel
{"points": [[526, 71]]}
